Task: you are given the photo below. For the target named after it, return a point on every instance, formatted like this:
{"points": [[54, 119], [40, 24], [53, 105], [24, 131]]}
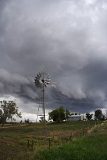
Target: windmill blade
{"points": [[42, 79]]}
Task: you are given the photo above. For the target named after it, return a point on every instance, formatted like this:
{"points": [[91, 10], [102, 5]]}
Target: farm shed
{"points": [[74, 118]]}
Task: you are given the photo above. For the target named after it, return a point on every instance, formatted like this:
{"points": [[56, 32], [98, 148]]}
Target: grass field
{"points": [[93, 146], [54, 141]]}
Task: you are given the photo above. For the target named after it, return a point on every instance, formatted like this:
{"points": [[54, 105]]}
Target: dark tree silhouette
{"points": [[58, 115], [7, 110], [89, 116], [99, 115]]}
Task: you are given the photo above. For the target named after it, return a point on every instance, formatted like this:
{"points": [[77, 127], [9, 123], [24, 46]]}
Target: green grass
{"points": [[90, 147], [14, 139]]}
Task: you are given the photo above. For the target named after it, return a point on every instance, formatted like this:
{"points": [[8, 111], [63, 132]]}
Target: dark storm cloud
{"points": [[68, 39], [15, 84]]}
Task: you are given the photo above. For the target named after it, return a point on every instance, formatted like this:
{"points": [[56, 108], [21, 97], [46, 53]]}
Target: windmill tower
{"points": [[42, 80]]}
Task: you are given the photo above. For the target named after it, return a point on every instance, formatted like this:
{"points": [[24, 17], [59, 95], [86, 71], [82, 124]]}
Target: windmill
{"points": [[42, 80]]}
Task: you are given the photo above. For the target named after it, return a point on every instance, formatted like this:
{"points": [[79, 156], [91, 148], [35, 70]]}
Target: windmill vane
{"points": [[42, 79]]}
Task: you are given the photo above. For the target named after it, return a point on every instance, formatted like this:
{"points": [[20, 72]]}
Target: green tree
{"points": [[7, 110], [57, 115], [99, 115], [89, 116]]}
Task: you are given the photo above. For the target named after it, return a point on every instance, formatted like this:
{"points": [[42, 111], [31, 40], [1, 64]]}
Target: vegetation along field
{"points": [[68, 140]]}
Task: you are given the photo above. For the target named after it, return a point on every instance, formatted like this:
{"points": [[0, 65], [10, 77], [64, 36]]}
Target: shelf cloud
{"points": [[67, 39]]}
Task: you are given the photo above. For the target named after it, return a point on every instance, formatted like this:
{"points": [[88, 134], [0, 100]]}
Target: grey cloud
{"points": [[66, 38], [16, 85]]}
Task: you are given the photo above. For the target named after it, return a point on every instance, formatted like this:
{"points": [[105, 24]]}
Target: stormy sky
{"points": [[65, 38]]}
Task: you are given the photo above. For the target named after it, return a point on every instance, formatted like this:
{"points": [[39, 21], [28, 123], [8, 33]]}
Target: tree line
{"points": [[8, 109], [60, 114]]}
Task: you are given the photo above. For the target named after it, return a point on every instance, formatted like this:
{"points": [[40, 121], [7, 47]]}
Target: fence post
{"points": [[49, 140], [32, 145], [28, 143]]}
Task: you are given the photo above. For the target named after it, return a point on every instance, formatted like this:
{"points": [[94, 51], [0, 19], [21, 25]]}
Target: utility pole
{"points": [[43, 98]]}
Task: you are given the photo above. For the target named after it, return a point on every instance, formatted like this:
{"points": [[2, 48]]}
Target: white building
{"points": [[74, 118]]}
